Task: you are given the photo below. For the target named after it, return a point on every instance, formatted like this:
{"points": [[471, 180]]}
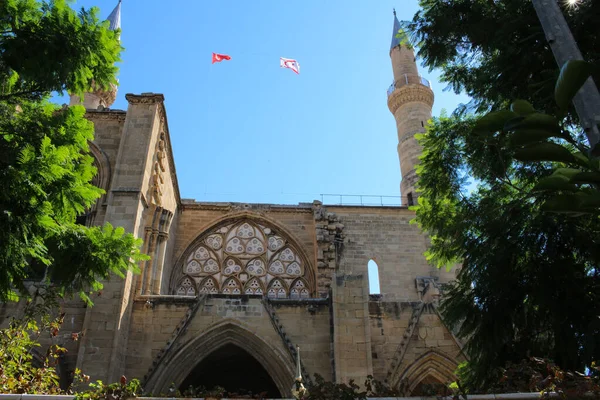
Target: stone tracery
{"points": [[244, 258]]}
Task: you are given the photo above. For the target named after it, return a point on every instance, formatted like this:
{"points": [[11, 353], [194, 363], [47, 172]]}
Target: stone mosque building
{"points": [[231, 289]]}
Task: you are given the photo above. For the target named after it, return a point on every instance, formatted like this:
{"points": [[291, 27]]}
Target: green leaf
{"points": [[566, 172], [586, 177], [563, 203], [555, 182], [494, 121], [545, 152], [590, 201], [537, 121], [576, 204], [583, 160], [573, 75], [522, 107], [523, 137]]}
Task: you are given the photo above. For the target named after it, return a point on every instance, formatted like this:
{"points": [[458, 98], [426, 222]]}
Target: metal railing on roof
{"points": [[361, 200], [408, 80]]}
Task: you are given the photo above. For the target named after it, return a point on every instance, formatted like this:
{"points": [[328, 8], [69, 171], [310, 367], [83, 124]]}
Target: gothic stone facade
{"points": [[259, 278]]}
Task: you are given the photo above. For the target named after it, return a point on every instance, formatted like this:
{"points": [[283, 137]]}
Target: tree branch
{"points": [[21, 93]]}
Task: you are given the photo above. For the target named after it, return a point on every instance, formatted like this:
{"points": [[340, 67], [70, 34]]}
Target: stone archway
{"points": [[102, 164], [180, 364], [235, 370], [431, 368]]}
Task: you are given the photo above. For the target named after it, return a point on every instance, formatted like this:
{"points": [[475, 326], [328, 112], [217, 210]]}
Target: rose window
{"points": [[244, 257]]}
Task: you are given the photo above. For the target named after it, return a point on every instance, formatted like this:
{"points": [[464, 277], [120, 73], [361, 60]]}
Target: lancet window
{"points": [[245, 257]]}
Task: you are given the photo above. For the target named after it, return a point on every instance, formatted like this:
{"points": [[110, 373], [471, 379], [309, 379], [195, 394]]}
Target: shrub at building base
{"points": [[534, 375], [17, 372]]}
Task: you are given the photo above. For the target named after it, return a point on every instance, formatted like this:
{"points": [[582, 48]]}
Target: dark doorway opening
{"points": [[430, 387], [234, 369]]}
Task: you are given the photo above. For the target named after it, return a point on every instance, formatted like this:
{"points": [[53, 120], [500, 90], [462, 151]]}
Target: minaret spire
{"points": [[98, 97], [395, 40], [115, 18], [410, 100]]}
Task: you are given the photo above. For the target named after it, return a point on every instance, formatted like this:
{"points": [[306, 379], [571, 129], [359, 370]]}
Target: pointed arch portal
{"points": [[427, 372], [227, 355], [235, 370]]}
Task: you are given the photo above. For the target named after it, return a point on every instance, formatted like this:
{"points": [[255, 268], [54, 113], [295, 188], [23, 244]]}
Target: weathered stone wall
{"points": [[308, 326], [167, 339], [385, 235], [103, 348], [152, 326], [162, 199], [108, 129], [410, 336]]}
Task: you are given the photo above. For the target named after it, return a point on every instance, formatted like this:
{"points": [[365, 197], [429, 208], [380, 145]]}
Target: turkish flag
{"points": [[219, 57]]}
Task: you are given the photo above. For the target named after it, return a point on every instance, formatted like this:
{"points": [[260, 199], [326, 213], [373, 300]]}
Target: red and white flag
{"points": [[289, 63], [219, 57]]}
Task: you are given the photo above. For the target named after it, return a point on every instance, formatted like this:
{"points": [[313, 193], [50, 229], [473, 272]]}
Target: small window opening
{"points": [[373, 270], [409, 199], [422, 124], [82, 219]]}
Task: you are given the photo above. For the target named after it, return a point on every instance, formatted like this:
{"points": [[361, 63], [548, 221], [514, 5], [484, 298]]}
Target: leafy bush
{"points": [[20, 371], [114, 391], [324, 390], [533, 375]]}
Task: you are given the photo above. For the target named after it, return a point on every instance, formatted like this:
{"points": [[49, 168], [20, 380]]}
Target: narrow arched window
{"points": [[373, 270]]}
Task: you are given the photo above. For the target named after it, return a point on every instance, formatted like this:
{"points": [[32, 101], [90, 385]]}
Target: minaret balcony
{"points": [[408, 80]]}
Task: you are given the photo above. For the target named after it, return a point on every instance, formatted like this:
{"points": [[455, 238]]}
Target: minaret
{"points": [[410, 99], [99, 97]]}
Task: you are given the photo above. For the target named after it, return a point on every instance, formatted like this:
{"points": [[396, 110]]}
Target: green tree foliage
{"points": [[45, 166], [20, 370], [17, 371], [27, 367], [527, 235], [46, 46], [495, 50], [545, 377]]}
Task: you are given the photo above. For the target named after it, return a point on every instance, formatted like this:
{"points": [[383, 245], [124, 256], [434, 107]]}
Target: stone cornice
{"points": [[145, 98], [410, 93], [106, 114], [252, 208]]}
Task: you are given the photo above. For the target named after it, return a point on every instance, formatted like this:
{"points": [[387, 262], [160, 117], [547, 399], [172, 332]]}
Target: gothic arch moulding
{"points": [[432, 364], [102, 164], [244, 255], [177, 366]]}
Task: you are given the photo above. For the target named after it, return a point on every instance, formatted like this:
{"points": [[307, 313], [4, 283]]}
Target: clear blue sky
{"points": [[246, 130]]}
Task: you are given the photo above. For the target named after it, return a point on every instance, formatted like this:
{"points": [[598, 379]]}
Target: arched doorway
{"points": [[175, 367], [430, 386], [235, 370], [428, 374]]}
